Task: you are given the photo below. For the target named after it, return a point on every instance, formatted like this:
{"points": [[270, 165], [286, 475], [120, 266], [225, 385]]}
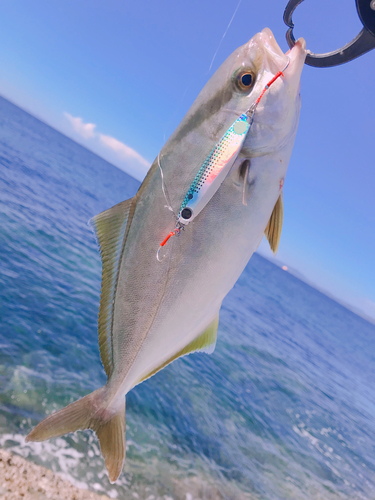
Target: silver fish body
{"points": [[153, 312]]}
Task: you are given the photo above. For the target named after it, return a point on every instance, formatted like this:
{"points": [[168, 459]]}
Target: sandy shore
{"points": [[23, 480]]}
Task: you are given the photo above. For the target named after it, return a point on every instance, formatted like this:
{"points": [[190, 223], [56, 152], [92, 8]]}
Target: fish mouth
{"points": [[291, 62], [296, 55]]}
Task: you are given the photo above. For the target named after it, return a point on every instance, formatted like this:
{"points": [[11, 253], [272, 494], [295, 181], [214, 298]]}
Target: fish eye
{"points": [[244, 80], [247, 79]]}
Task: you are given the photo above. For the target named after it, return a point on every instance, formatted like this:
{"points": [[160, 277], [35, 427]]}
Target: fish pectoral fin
{"points": [[111, 228], [244, 172], [205, 342], [89, 413], [275, 224]]}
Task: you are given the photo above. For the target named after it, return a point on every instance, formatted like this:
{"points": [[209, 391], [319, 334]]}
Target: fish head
{"points": [[276, 117], [245, 74], [233, 89]]}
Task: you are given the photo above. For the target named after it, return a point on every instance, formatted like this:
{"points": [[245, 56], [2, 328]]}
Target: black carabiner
{"points": [[362, 43]]}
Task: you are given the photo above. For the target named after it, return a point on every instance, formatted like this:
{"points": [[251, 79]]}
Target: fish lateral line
{"points": [[214, 169]]}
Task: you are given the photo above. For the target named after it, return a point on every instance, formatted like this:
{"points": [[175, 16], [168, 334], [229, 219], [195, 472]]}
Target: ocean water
{"points": [[283, 409]]}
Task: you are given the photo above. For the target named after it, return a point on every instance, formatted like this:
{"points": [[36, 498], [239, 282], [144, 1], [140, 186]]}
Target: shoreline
{"points": [[22, 479]]}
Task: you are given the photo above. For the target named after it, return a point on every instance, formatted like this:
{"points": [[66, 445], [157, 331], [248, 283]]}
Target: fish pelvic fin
{"points": [[89, 413], [275, 224], [111, 228]]}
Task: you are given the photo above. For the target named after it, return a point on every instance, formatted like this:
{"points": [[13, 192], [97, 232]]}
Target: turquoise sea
{"points": [[283, 409]]}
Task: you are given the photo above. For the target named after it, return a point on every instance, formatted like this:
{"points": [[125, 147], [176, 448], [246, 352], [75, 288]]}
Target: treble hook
{"points": [[362, 43]]}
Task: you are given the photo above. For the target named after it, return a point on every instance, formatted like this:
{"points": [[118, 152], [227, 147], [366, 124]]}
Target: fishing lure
{"points": [[215, 168]]}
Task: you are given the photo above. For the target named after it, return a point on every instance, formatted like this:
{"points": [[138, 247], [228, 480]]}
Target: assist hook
{"points": [[362, 43]]}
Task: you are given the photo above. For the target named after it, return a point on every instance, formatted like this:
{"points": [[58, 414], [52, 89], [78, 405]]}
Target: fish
{"points": [[164, 278]]}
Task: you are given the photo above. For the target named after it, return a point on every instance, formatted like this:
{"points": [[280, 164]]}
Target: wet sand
{"points": [[21, 479]]}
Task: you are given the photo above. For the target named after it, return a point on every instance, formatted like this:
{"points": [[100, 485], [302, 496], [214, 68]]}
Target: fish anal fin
{"points": [[111, 228], [205, 342], [275, 224]]}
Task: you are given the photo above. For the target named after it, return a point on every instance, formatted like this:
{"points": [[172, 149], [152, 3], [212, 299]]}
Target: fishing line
{"points": [[178, 227], [209, 69], [165, 191], [225, 32]]}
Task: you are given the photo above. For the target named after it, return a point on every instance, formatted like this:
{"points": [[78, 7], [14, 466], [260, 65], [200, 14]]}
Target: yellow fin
{"points": [[275, 224], [205, 342], [111, 228], [88, 413]]}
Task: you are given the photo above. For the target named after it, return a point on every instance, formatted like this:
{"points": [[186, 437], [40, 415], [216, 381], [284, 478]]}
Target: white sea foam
{"points": [[46, 453]]}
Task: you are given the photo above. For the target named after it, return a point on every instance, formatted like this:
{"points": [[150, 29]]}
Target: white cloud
{"points": [[86, 130], [109, 148], [123, 150]]}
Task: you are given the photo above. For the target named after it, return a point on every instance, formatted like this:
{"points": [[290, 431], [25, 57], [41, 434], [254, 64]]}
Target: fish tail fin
{"points": [[111, 436], [89, 413]]}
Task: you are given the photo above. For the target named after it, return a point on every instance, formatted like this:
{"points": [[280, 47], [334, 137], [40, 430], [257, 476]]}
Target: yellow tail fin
{"points": [[89, 413]]}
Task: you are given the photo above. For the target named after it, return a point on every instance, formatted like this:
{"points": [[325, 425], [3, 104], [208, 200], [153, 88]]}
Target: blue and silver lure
{"points": [[215, 169]]}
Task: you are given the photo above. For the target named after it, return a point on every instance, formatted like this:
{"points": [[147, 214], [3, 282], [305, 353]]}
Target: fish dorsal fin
{"points": [[205, 342], [111, 228], [275, 224]]}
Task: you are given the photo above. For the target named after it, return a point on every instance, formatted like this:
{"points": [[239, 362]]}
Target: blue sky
{"points": [[118, 76]]}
